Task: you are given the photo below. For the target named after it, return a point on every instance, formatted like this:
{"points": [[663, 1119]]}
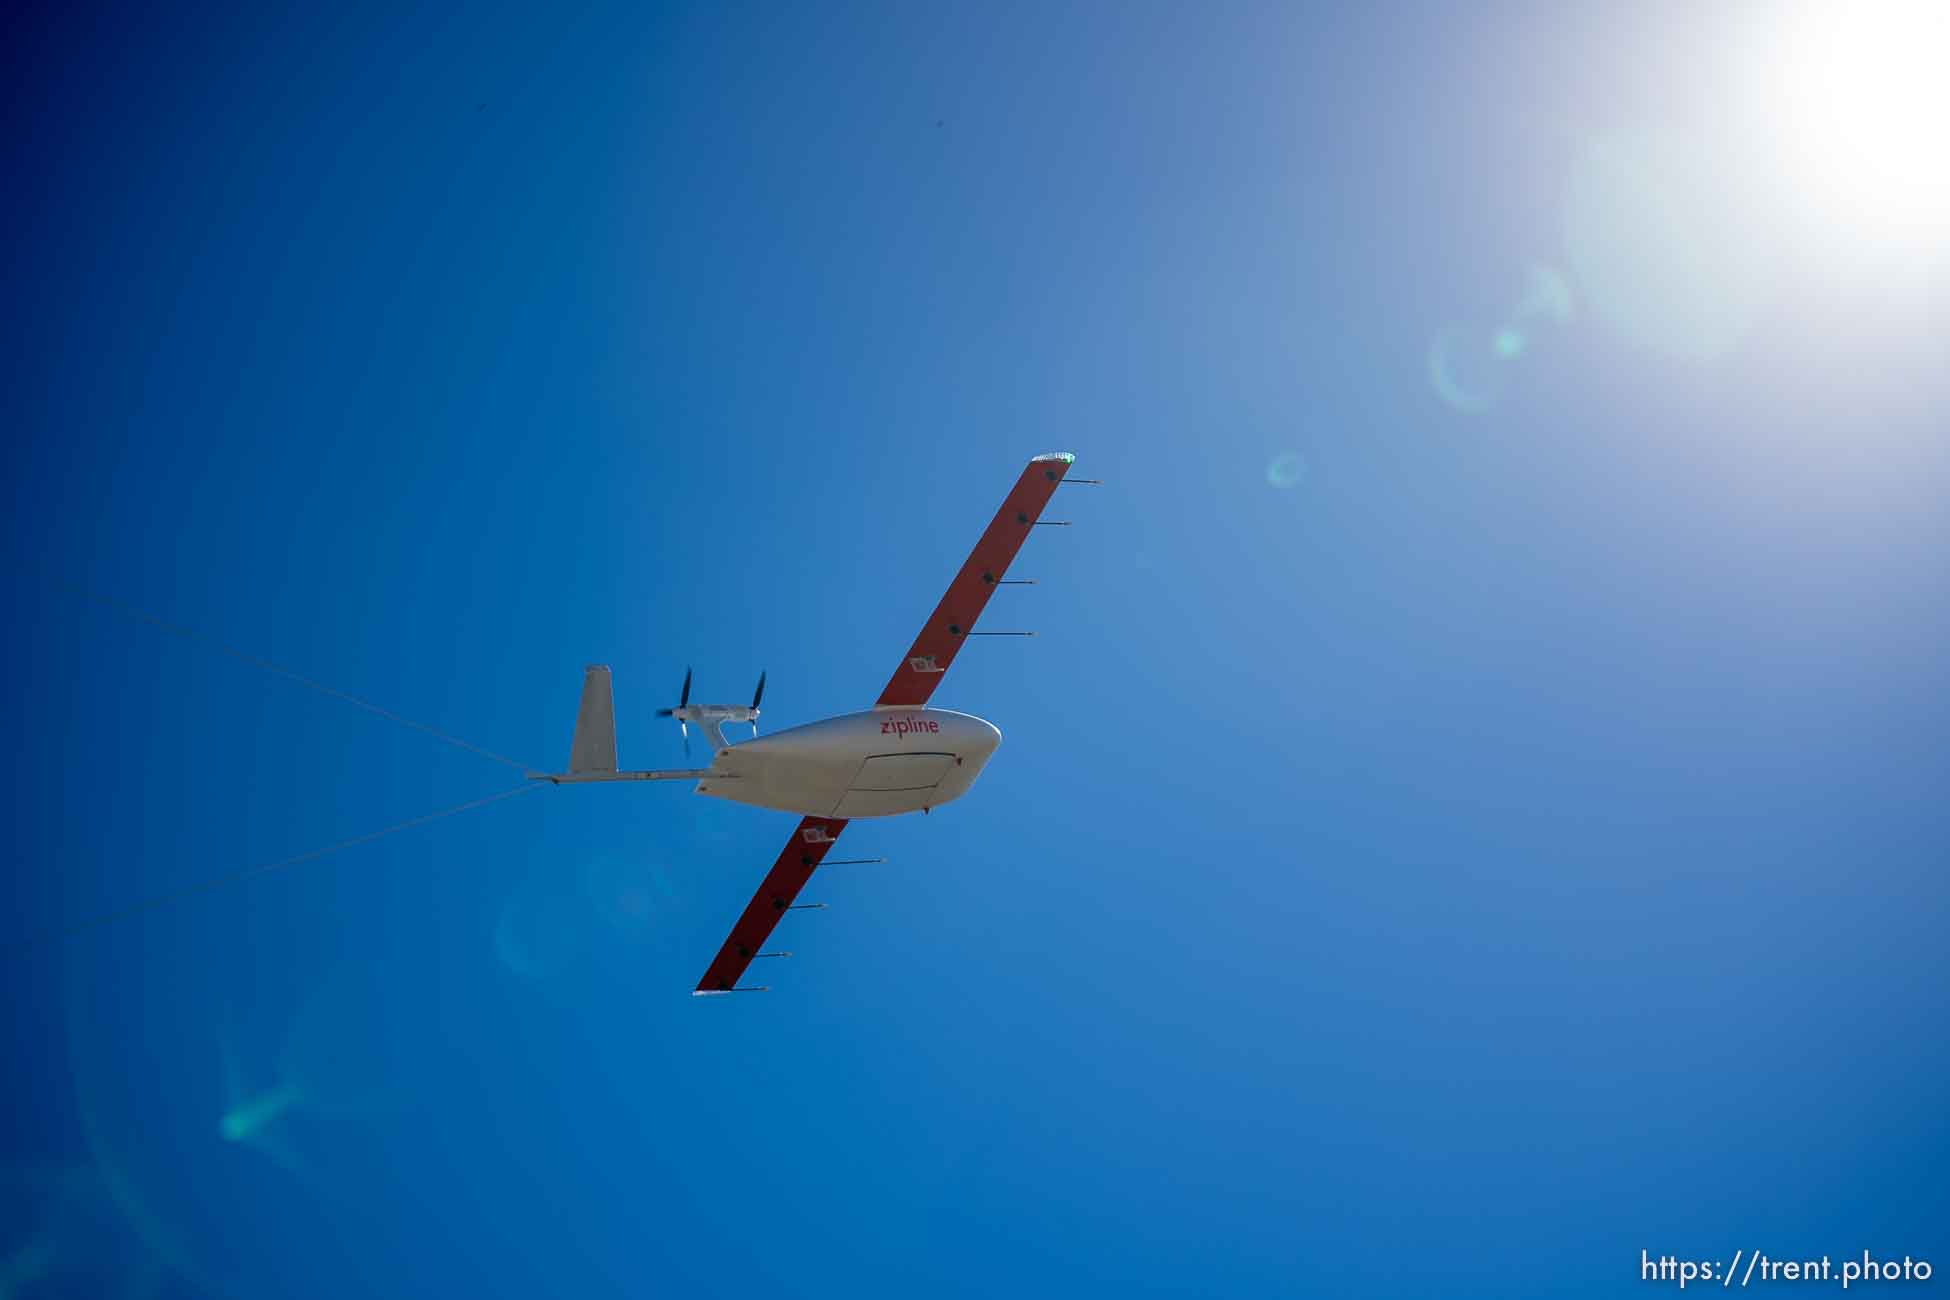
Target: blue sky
{"points": [[1514, 842]]}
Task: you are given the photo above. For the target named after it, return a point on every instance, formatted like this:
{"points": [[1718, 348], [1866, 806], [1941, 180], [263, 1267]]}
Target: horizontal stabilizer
{"points": [[594, 746]]}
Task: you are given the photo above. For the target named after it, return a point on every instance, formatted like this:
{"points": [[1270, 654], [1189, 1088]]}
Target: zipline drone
{"points": [[900, 756]]}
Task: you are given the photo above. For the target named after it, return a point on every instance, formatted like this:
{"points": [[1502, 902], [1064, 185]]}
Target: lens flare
{"points": [[1665, 246], [1467, 368], [1286, 469], [248, 1117], [1546, 298], [62, 1233], [629, 896]]}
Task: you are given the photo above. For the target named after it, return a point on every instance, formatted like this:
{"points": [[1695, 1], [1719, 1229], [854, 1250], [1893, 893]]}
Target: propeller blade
{"points": [[684, 696], [686, 732], [758, 694]]}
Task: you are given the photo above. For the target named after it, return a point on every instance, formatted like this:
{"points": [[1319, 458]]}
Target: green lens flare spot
{"points": [[1286, 469], [242, 1122]]}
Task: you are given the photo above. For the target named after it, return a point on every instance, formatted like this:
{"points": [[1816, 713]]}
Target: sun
{"points": [[1857, 94]]}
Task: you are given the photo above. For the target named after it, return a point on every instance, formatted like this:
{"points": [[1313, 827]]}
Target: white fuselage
{"points": [[871, 764]]}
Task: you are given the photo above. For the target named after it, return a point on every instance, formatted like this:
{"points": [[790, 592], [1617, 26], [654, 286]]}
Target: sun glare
{"points": [[1858, 92]]}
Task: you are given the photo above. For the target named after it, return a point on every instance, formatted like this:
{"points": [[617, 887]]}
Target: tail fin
{"points": [[594, 746]]}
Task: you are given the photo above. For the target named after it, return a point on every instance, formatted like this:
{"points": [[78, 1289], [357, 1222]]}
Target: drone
{"points": [[900, 756]]}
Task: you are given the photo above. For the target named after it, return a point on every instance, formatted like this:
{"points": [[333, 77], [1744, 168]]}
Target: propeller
{"points": [[757, 695], [684, 698]]}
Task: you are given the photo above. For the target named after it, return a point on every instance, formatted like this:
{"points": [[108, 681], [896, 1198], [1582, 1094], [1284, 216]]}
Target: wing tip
{"points": [[1068, 458]]}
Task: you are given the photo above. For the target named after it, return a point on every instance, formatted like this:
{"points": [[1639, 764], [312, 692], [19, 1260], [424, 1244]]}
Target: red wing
{"points": [[782, 884], [914, 681]]}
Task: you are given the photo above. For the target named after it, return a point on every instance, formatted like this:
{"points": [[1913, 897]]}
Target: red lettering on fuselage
{"points": [[902, 726]]}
